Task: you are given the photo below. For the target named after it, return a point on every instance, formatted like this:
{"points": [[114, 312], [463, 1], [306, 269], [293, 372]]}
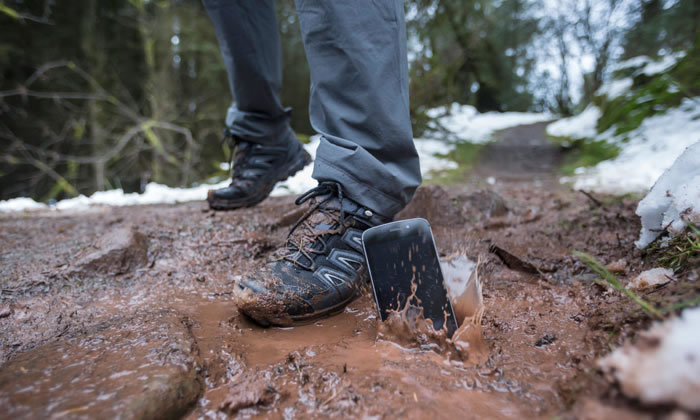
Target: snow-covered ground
{"points": [[665, 372], [576, 127], [643, 65], [646, 152], [651, 149], [674, 200], [463, 122]]}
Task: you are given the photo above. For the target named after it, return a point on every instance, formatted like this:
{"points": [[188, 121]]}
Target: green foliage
{"points": [[648, 97], [665, 26], [586, 153], [677, 253], [474, 52], [9, 11], [685, 73], [160, 88], [466, 154]]}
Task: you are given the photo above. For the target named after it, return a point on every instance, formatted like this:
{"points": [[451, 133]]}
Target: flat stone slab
{"points": [[142, 366], [120, 250]]}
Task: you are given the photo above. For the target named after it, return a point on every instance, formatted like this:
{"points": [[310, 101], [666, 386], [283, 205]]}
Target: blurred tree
{"points": [[664, 26], [98, 95], [108, 94], [600, 26], [472, 52]]}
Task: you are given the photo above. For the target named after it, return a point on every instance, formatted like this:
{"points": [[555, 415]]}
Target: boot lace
{"points": [[303, 242]]}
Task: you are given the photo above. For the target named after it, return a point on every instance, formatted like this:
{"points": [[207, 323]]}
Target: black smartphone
{"points": [[399, 254]]}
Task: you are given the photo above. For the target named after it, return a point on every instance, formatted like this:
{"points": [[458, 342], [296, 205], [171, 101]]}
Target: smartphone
{"points": [[398, 254]]}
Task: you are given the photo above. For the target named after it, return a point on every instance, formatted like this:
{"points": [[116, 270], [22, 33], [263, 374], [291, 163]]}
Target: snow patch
{"points": [[648, 66], [615, 88], [650, 150], [428, 149], [465, 123], [580, 126], [162, 194], [674, 200], [21, 204], [664, 365]]}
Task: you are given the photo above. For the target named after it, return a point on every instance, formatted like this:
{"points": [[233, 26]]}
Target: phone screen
{"points": [[400, 253]]}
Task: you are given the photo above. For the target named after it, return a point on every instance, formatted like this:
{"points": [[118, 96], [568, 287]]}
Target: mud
{"points": [[143, 366], [409, 328], [170, 317]]}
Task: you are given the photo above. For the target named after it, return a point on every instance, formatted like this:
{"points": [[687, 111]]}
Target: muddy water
{"points": [[173, 318], [337, 366]]}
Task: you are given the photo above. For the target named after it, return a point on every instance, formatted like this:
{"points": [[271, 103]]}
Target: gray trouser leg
{"points": [[359, 99], [250, 45]]}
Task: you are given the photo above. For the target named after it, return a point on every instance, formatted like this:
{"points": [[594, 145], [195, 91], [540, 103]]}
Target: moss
{"points": [[686, 72], [465, 154], [677, 253], [589, 153], [584, 152], [649, 96]]}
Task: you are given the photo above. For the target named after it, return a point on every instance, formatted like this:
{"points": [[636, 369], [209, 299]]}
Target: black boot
{"points": [[256, 170], [320, 269]]}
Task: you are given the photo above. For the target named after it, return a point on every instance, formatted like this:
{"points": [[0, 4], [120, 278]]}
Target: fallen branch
{"points": [[595, 201]]}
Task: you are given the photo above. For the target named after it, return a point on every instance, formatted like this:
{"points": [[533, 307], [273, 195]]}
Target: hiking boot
{"points": [[320, 269], [256, 170]]}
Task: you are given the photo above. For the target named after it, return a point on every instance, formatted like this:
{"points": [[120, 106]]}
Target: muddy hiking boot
{"points": [[319, 270], [256, 170]]}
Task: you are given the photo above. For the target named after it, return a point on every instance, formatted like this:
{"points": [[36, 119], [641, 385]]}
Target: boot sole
{"points": [[301, 160], [298, 320]]}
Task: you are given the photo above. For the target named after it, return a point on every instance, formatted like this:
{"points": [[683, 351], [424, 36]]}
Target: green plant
{"points": [[465, 154], [586, 153], [679, 251], [608, 279]]}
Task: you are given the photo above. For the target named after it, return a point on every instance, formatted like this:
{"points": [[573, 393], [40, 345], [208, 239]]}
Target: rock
{"points": [[250, 389], [433, 203], [144, 366], [5, 311], [650, 278], [118, 251], [618, 266], [487, 202], [545, 340], [663, 366]]}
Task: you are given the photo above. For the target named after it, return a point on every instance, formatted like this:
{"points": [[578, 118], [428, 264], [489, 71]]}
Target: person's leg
{"points": [[359, 99], [366, 165], [249, 41], [266, 148]]}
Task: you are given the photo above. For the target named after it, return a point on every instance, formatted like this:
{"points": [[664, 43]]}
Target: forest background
{"points": [[108, 94]]}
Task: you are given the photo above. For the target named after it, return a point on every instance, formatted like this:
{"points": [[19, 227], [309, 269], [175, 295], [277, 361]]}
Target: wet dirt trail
{"points": [[128, 312], [521, 154]]}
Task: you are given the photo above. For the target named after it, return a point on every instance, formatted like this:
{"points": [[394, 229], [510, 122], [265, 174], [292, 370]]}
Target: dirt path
{"points": [[128, 311], [521, 154]]}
